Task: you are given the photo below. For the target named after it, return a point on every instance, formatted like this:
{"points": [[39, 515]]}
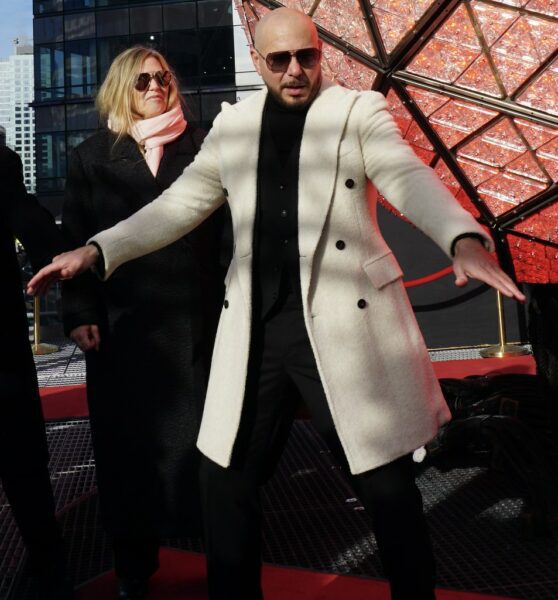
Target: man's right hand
{"points": [[87, 337], [63, 266]]}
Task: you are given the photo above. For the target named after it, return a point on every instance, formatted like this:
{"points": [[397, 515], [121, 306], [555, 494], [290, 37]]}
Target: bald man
{"points": [[315, 306]]}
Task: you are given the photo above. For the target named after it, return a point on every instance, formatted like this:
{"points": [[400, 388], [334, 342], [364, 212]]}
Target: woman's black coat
{"points": [[157, 317]]}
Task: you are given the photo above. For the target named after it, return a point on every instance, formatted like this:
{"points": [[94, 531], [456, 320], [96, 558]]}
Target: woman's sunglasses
{"points": [[163, 78], [279, 62]]}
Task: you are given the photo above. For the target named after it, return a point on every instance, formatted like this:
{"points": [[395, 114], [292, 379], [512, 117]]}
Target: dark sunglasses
{"points": [[279, 62], [163, 78]]}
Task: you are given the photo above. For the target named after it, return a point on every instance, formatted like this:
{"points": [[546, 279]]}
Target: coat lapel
{"points": [[130, 176], [323, 130], [240, 144]]}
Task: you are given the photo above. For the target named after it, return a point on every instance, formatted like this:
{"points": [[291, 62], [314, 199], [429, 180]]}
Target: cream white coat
{"points": [[382, 392]]}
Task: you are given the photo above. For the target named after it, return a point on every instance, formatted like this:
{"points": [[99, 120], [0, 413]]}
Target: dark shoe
{"points": [[132, 589]]}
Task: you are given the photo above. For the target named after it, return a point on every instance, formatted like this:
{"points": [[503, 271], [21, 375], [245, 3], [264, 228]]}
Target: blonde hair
{"points": [[116, 98]]}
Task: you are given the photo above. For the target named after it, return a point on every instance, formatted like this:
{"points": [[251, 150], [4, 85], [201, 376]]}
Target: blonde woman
{"points": [[147, 333]]}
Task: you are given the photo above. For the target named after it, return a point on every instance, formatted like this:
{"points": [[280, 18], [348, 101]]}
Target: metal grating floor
{"points": [[313, 521], [67, 367]]}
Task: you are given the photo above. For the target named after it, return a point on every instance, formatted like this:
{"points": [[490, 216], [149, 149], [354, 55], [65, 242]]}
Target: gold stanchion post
{"points": [[38, 348], [503, 349]]}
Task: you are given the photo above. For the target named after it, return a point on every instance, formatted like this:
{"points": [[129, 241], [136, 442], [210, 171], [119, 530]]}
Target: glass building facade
{"points": [[75, 42]]}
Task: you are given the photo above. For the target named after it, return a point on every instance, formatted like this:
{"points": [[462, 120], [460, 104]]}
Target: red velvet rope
{"points": [[429, 278]]}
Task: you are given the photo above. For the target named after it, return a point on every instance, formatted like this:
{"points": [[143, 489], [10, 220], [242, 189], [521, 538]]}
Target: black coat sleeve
{"points": [[81, 297], [31, 223]]}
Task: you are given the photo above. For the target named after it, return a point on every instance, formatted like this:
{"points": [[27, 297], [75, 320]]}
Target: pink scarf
{"points": [[155, 132]]}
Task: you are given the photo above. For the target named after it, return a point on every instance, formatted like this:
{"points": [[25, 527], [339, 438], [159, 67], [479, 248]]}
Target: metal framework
{"points": [[395, 69]]}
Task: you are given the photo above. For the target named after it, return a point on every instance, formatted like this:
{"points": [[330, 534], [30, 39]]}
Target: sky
{"points": [[16, 20]]}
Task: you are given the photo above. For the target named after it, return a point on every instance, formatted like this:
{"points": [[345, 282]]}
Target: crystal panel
{"points": [[303, 5], [427, 101], [409, 128], [543, 225], [345, 19], [447, 177], [534, 263], [485, 50], [527, 166], [522, 49], [480, 77], [493, 21], [543, 93], [497, 146], [508, 190], [517, 3], [396, 18], [545, 7], [548, 155], [535, 134], [340, 67], [458, 119], [453, 49], [476, 172]]}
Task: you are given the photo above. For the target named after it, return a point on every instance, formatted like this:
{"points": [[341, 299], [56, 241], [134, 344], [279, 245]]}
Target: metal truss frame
{"points": [[391, 75]]}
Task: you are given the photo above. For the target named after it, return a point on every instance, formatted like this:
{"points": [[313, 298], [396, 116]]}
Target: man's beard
{"points": [[295, 106]]}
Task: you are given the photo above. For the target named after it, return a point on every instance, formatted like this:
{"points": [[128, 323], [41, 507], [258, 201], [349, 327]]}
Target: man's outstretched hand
{"points": [[63, 266], [472, 260]]}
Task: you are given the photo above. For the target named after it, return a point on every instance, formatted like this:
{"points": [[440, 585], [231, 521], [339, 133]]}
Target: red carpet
{"points": [[182, 575], [70, 401], [485, 366], [65, 402]]}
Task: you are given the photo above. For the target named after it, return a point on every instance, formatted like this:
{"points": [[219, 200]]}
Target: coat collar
{"points": [[127, 165]]}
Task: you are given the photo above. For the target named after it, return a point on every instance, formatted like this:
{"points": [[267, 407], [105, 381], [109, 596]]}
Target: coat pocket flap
{"points": [[382, 270]]}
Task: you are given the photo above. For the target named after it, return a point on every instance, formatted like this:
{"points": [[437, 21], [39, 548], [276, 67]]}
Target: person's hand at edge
{"points": [[63, 266], [87, 337], [473, 260]]}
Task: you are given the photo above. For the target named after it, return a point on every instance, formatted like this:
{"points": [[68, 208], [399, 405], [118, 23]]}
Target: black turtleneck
{"points": [[276, 257]]}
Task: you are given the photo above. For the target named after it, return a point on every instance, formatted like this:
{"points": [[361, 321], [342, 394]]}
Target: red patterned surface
{"points": [[484, 64]]}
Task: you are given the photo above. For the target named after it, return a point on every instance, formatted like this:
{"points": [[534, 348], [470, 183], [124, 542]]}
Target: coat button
{"points": [[225, 192], [350, 183], [361, 303], [340, 245], [226, 304]]}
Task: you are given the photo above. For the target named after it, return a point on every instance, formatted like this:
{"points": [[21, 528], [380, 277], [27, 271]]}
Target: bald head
{"points": [[282, 22], [281, 34]]}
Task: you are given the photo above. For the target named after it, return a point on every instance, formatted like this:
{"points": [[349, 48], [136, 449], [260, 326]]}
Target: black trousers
{"points": [[24, 469], [282, 359]]}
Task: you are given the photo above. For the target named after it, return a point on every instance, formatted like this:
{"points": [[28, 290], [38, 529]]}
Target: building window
{"points": [[113, 22], [217, 57], [49, 71], [49, 118], [81, 68], [179, 16], [46, 6], [107, 50], [79, 26], [47, 30], [81, 116], [51, 154], [146, 19], [214, 13], [182, 51], [76, 4]]}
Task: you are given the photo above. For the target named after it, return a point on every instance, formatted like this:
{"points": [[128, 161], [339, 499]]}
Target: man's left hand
{"points": [[473, 260]]}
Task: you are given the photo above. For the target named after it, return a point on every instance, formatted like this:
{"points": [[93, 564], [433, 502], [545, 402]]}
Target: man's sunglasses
{"points": [[279, 62], [163, 78]]}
